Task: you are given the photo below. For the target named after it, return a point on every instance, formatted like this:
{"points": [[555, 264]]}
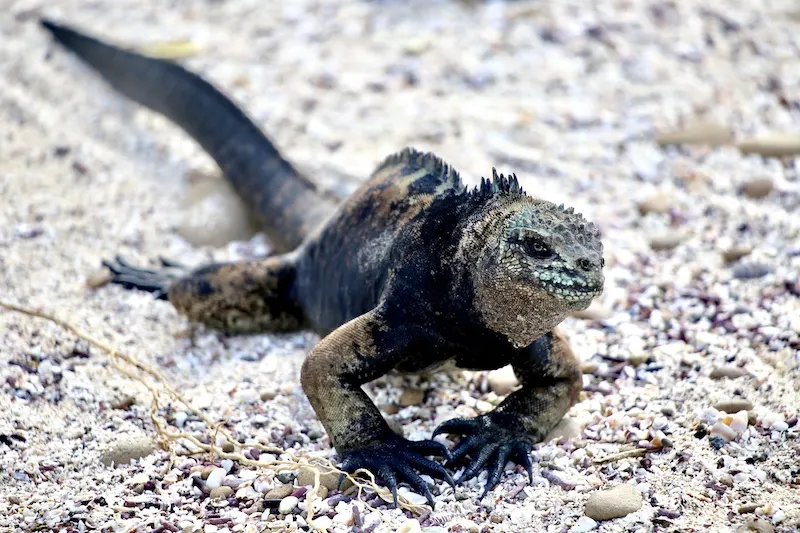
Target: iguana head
{"points": [[536, 262]]}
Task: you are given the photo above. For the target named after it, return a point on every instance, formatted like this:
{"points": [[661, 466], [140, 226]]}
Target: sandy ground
{"points": [[569, 97]]}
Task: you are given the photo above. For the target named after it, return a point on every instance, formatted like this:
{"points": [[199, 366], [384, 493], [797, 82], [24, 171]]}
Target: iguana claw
{"points": [[487, 439], [397, 457], [143, 279]]}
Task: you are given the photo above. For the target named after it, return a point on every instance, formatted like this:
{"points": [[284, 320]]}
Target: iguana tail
{"points": [[288, 204]]}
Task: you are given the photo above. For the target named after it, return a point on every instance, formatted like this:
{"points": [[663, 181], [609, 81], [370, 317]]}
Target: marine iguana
{"points": [[412, 271]]}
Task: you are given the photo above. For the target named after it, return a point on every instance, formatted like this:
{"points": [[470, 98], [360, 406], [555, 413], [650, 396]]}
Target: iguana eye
{"points": [[538, 249], [533, 246]]}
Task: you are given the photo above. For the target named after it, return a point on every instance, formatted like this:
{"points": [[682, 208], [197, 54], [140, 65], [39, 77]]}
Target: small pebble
{"points": [[583, 525], [305, 477], [737, 252], [616, 502], [410, 526], [734, 406], [279, 492], [780, 426], [772, 145], [757, 188], [323, 522], [98, 278], [760, 525], [215, 478], [125, 449], [717, 442], [411, 397], [286, 477], [220, 493], [729, 371], [721, 430], [750, 270], [287, 504], [665, 241], [658, 203], [696, 133]]}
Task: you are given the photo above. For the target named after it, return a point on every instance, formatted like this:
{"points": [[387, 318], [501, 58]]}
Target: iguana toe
{"points": [[489, 441], [398, 459], [143, 279]]}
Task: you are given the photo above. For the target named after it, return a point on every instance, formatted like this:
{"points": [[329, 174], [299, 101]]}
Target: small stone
{"points": [[220, 493], [305, 478], [665, 241], [286, 477], [726, 479], [716, 442], [737, 421], [566, 429], [279, 492], [416, 46], [697, 133], [287, 504], [122, 451], [760, 525], [502, 381], [658, 203], [748, 508], [750, 270], [772, 145], [729, 371], [757, 188], [779, 426], [616, 502], [98, 278], [390, 408], [268, 394], [180, 419], [583, 525], [215, 478], [737, 252], [411, 396], [734, 406], [322, 523], [410, 526], [123, 403], [721, 430], [636, 359]]}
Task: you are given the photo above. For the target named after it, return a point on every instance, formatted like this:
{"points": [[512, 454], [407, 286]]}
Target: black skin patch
{"points": [[382, 277]]}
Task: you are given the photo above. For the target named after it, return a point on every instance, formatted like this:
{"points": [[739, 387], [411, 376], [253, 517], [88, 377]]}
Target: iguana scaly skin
{"points": [[411, 272]]}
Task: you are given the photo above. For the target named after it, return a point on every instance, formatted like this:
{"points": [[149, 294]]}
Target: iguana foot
{"points": [[494, 438], [398, 458], [144, 279]]}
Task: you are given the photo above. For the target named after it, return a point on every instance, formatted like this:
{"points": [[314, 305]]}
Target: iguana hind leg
{"points": [[243, 297], [551, 382], [355, 353]]}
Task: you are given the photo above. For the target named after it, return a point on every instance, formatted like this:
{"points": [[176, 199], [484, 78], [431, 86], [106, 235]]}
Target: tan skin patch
{"points": [[240, 297]]}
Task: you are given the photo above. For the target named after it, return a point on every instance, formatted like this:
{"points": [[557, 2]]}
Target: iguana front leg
{"points": [[551, 381], [355, 353]]}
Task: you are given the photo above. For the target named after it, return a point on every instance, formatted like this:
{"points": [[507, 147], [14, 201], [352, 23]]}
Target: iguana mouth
{"points": [[566, 287]]}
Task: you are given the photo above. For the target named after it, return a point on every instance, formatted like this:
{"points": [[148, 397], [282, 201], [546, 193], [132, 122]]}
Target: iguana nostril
{"points": [[585, 264]]}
